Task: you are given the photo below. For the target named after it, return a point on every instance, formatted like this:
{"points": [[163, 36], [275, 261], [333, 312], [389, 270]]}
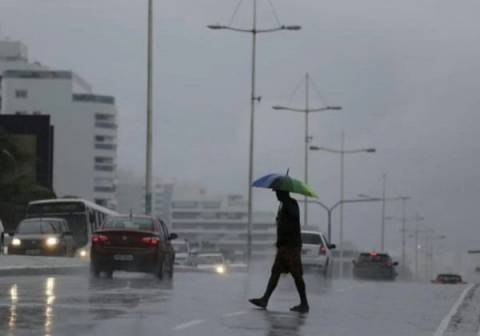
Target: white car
{"points": [[316, 250], [209, 262]]}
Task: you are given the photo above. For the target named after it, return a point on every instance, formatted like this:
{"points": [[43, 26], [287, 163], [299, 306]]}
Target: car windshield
{"points": [[127, 223], [311, 238], [210, 260], [38, 227]]}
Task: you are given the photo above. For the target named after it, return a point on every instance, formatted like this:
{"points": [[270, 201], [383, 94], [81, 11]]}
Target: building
{"points": [[85, 123]]}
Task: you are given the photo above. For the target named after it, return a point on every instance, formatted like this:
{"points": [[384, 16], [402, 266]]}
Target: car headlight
{"points": [[16, 242], [220, 269], [52, 241], [83, 253]]}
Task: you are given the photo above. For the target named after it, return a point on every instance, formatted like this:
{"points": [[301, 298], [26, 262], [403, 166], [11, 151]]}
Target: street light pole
{"points": [[382, 229], [253, 98], [404, 229], [148, 163], [252, 134], [342, 171], [305, 209], [307, 110]]}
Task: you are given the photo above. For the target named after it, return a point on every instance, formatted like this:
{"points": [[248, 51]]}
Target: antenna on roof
{"points": [[131, 213]]}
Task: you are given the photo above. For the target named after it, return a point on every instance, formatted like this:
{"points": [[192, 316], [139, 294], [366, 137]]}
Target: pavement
{"points": [[212, 304]]}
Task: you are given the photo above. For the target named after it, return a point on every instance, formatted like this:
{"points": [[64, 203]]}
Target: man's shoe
{"points": [[260, 302], [301, 308]]}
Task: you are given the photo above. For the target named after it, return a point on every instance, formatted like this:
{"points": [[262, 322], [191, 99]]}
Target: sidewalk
{"points": [[11, 265]]}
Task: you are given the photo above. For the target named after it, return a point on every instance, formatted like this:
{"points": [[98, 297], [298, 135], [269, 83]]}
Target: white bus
{"points": [[83, 217]]}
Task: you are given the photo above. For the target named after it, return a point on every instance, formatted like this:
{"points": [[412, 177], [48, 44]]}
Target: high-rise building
{"points": [[85, 150]]}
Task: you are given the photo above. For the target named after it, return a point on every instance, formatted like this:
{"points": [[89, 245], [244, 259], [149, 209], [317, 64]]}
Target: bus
{"points": [[83, 217]]}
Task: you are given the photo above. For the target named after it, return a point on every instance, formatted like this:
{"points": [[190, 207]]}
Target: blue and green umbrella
{"points": [[284, 183]]}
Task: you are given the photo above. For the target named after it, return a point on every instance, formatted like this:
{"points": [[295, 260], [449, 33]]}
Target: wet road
{"points": [[207, 304]]}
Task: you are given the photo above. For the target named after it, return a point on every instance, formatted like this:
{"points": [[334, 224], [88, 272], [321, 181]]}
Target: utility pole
{"points": [[404, 229], [148, 163], [382, 229], [307, 139], [342, 174]]}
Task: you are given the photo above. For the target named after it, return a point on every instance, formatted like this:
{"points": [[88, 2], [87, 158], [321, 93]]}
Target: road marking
{"points": [[235, 314], [188, 324], [446, 320]]}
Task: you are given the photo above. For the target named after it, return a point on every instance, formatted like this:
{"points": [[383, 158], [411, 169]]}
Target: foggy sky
{"points": [[406, 74]]}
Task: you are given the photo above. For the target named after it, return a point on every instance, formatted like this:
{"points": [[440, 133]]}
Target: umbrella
{"points": [[284, 183]]}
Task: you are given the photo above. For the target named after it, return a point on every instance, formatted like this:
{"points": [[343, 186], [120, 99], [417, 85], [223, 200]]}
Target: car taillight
{"points": [[322, 250], [99, 239], [151, 241]]}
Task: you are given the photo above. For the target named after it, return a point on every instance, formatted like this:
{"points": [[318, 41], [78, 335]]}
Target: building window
{"points": [[101, 202], [105, 168], [105, 189], [103, 160], [108, 125], [105, 146], [21, 94], [105, 117], [105, 142]]}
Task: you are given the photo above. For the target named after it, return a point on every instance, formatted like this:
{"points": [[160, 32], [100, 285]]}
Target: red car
{"points": [[132, 243]]}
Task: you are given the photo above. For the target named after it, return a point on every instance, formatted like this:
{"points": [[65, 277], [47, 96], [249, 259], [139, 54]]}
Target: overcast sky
{"points": [[405, 72]]}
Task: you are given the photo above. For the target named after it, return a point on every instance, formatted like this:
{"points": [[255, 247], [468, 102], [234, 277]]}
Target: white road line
{"points": [[446, 320], [188, 324], [235, 314]]}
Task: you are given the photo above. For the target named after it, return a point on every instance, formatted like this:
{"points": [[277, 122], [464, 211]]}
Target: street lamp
{"points": [[253, 98], [307, 110], [342, 153]]}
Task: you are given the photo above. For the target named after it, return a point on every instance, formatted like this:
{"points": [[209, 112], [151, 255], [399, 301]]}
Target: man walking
{"points": [[288, 258]]}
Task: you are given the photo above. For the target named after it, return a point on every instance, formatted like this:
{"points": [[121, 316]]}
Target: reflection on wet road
{"points": [[207, 304]]}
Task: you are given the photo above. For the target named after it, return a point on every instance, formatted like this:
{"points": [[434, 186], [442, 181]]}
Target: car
{"points": [[43, 237], [182, 251], [373, 265], [134, 244], [448, 278], [316, 251], [214, 262]]}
